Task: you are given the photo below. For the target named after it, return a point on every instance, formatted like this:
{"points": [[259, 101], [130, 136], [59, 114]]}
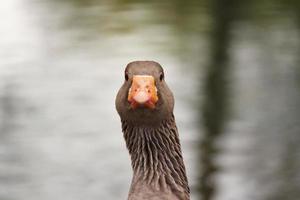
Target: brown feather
{"points": [[152, 140]]}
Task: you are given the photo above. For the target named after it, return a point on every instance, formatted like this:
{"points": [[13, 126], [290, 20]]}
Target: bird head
{"points": [[144, 97]]}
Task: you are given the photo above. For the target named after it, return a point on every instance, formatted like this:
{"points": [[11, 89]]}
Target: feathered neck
{"points": [[156, 157]]}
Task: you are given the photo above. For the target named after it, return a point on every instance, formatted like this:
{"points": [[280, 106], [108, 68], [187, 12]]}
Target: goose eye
{"points": [[162, 76], [126, 76]]}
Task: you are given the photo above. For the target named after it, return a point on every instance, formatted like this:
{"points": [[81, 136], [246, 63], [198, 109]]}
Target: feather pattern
{"points": [[156, 159]]}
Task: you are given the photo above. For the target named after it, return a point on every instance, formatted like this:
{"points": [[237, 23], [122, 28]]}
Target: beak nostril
{"points": [[142, 92]]}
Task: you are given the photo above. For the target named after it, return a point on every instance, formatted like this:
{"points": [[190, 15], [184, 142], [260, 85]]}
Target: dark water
{"points": [[233, 66]]}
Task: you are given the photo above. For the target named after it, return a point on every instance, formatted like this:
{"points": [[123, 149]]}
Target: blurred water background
{"points": [[233, 66]]}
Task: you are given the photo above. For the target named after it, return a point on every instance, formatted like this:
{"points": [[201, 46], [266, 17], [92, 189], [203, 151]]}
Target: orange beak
{"points": [[142, 92]]}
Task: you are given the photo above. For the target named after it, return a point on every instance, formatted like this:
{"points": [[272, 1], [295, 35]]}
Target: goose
{"points": [[145, 105]]}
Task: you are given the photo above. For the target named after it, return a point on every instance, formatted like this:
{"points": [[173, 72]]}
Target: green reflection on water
{"points": [[215, 108], [186, 25]]}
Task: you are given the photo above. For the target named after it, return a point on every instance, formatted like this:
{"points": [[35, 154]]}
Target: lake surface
{"points": [[234, 71]]}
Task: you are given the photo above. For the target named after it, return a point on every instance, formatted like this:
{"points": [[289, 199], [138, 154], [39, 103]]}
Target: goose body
{"points": [[145, 105]]}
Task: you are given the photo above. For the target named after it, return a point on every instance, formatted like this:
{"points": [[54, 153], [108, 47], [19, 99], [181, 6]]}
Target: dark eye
{"points": [[161, 76], [126, 76]]}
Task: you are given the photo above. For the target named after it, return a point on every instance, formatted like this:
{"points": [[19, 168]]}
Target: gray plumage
{"points": [[152, 140]]}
